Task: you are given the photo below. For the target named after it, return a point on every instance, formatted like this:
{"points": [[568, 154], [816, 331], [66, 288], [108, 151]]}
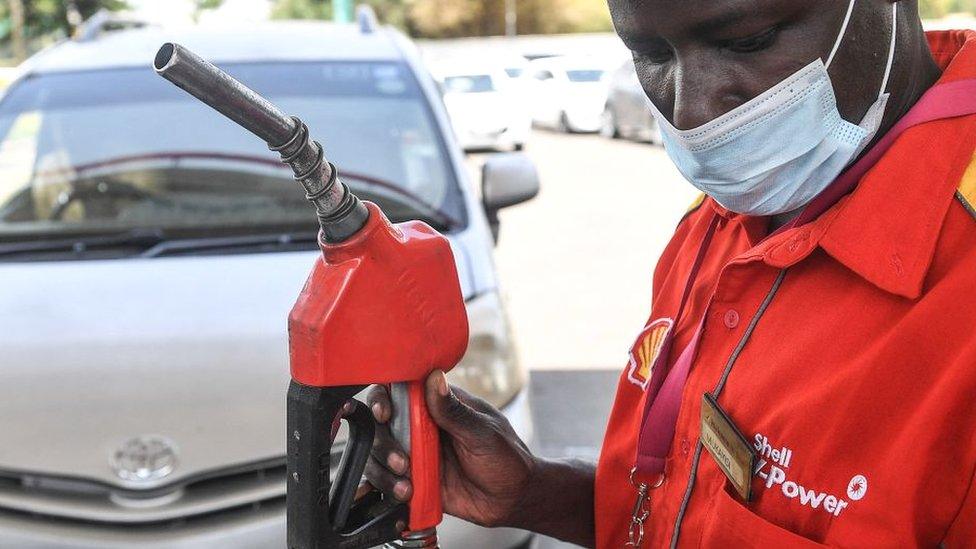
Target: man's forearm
{"points": [[559, 501]]}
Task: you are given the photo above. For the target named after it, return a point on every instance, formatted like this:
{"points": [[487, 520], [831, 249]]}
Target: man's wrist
{"points": [[557, 500]]}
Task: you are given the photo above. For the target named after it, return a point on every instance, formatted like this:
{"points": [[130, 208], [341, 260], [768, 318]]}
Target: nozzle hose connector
{"points": [[341, 214], [425, 539]]}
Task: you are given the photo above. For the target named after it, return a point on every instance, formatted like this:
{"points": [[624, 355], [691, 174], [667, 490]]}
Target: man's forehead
{"points": [[639, 19]]}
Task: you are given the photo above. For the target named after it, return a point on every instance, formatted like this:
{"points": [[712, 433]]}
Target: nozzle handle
{"points": [[417, 433], [322, 512]]}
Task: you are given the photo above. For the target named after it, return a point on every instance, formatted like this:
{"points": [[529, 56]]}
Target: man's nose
{"points": [[701, 94]]}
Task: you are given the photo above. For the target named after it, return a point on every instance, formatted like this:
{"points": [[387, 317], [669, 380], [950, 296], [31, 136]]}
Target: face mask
{"points": [[778, 151]]}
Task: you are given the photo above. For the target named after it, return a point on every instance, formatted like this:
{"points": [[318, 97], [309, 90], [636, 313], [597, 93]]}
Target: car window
{"points": [[584, 75], [120, 149], [474, 83], [543, 75], [513, 72]]}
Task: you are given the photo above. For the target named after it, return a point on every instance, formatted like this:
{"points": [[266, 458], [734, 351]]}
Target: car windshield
{"points": [[473, 83], [99, 152], [588, 75]]}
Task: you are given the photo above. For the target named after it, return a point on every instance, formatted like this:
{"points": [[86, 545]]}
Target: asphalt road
{"points": [[575, 263], [570, 409]]}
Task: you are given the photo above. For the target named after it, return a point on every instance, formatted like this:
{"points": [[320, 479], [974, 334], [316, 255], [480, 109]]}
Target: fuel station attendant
{"points": [[807, 373]]}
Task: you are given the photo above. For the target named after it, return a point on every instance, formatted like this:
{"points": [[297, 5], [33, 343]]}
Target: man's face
{"points": [[698, 59]]}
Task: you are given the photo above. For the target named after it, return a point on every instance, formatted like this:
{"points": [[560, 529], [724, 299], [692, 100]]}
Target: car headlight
{"points": [[489, 369]]}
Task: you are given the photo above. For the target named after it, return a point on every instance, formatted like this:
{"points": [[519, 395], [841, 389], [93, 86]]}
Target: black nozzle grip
{"points": [[322, 514], [353, 463]]}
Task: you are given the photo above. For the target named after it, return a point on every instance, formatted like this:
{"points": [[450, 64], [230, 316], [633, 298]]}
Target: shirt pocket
{"points": [[731, 524]]}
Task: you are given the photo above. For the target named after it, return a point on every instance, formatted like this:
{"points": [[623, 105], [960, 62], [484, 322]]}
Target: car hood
{"points": [[193, 349]]}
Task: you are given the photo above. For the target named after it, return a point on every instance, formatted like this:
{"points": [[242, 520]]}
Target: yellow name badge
{"points": [[728, 447]]}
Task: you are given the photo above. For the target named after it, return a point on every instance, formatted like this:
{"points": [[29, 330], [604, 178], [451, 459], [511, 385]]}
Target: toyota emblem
{"points": [[145, 458]]}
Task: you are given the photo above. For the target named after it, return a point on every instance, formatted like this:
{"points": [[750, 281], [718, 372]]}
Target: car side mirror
{"points": [[507, 179]]}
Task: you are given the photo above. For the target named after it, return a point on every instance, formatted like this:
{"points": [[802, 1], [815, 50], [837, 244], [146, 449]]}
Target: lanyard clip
{"points": [[642, 509]]}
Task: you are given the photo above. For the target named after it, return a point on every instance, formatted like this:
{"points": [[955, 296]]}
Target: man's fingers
{"points": [[478, 404], [378, 400], [449, 412], [386, 482], [365, 488], [347, 408], [388, 452]]}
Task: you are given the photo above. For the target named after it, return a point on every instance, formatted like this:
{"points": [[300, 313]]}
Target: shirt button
{"points": [[731, 318], [685, 447]]}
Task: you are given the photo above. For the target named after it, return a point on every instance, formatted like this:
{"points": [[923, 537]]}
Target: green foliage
{"points": [[51, 16], [208, 4], [302, 9], [934, 9], [450, 18]]}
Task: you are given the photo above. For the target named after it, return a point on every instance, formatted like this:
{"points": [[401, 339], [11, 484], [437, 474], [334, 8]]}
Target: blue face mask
{"points": [[778, 151]]}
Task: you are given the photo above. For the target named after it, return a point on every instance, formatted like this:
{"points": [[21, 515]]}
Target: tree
{"points": [[302, 9], [17, 28], [44, 16], [453, 18], [30, 20], [203, 5], [934, 9]]}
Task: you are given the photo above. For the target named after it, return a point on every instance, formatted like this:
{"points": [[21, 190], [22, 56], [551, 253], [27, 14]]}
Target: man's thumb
{"points": [[447, 410]]}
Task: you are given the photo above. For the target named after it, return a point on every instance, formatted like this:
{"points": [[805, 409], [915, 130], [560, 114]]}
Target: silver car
{"points": [[150, 251], [627, 113]]}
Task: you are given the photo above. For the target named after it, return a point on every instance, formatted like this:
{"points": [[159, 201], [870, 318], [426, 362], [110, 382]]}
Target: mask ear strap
{"points": [[840, 36], [891, 48]]}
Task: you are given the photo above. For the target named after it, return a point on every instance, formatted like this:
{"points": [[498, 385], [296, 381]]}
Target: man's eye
{"points": [[752, 43], [655, 55]]}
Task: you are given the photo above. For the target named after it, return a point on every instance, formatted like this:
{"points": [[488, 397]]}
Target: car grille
{"points": [[250, 488]]}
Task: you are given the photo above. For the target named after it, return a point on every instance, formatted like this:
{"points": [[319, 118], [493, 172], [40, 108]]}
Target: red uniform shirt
{"points": [[844, 350]]}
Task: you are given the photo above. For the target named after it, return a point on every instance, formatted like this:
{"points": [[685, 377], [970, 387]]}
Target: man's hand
{"points": [[488, 475], [484, 466]]}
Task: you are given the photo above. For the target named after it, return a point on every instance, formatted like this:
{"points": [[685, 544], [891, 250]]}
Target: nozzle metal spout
{"points": [[341, 214]]}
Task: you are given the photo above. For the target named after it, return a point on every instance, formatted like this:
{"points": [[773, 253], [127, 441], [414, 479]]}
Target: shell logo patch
{"points": [[645, 351]]}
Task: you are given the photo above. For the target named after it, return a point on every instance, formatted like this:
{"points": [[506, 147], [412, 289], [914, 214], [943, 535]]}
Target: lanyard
{"points": [[664, 390]]}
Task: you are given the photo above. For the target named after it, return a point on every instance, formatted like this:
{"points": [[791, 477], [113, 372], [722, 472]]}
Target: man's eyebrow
{"points": [[721, 21], [707, 25]]}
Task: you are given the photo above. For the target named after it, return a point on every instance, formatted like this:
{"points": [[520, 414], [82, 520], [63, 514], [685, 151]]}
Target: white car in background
{"points": [[514, 65], [568, 93], [150, 251], [484, 106]]}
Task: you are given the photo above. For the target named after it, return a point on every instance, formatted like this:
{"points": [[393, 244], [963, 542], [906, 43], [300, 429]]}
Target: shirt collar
{"points": [[887, 229]]}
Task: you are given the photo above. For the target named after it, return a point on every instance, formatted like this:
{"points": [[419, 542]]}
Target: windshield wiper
{"points": [[143, 238], [186, 245], [154, 243]]}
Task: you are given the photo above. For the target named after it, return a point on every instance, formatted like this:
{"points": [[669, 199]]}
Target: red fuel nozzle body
{"points": [[385, 306]]}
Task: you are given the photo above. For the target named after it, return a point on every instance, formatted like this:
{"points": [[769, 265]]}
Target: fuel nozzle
{"points": [[341, 214], [391, 320]]}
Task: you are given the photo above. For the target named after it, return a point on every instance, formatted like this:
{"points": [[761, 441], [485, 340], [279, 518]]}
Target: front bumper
{"points": [[257, 526], [584, 119]]}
